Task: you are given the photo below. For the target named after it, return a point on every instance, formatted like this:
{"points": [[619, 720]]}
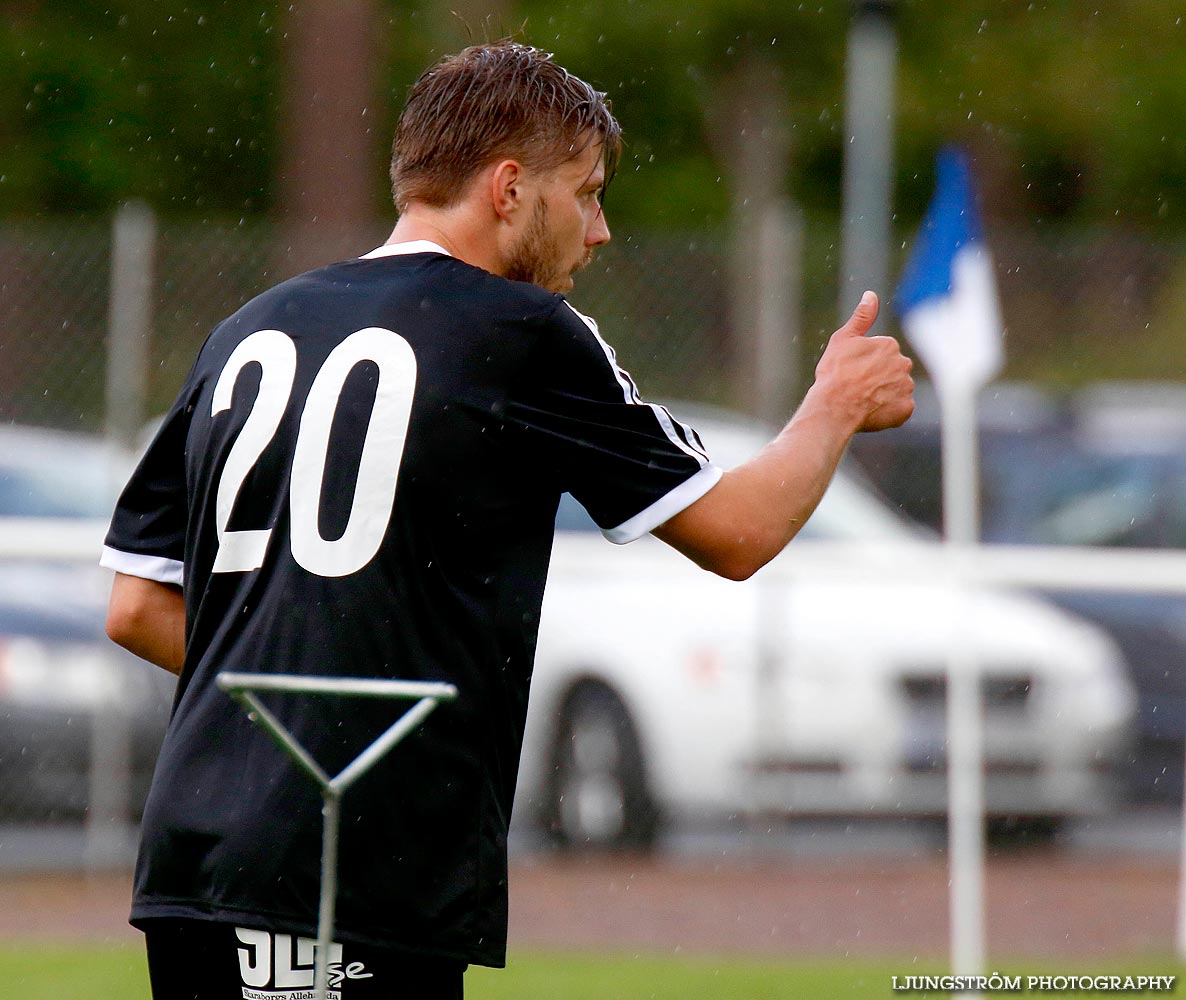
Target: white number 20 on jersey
{"points": [[382, 450]]}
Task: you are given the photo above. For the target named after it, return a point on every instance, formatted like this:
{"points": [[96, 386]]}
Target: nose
{"points": [[598, 232]]}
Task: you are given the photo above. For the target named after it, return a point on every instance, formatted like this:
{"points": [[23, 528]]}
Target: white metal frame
{"points": [[245, 689]]}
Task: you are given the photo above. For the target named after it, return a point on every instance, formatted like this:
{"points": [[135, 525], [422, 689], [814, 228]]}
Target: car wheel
{"points": [[598, 796]]}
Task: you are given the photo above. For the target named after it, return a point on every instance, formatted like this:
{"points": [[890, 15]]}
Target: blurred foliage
{"points": [[161, 99], [665, 64], [1079, 100], [1072, 109]]}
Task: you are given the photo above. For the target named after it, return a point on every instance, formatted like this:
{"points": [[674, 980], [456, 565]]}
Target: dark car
{"points": [[1105, 468], [80, 719]]}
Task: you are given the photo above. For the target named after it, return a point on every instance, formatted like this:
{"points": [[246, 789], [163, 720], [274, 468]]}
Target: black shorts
{"points": [[205, 960]]}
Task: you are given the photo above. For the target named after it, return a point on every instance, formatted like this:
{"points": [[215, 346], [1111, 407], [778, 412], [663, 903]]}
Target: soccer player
{"points": [[360, 477]]}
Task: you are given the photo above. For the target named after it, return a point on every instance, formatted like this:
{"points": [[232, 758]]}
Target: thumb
{"points": [[863, 316]]}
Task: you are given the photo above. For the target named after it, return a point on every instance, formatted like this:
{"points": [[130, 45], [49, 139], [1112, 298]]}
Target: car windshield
{"points": [[1112, 499], [44, 474]]}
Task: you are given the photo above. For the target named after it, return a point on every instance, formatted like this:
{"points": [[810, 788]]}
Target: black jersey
{"points": [[360, 477]]}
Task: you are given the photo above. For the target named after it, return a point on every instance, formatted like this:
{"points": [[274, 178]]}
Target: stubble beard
{"points": [[535, 257]]}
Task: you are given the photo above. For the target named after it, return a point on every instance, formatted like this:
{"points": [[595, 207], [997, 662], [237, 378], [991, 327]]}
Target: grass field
{"points": [[93, 973]]}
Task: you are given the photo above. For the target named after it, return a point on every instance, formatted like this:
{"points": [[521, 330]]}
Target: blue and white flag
{"points": [[947, 298]]}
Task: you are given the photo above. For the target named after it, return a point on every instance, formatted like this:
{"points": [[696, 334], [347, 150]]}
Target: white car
{"points": [[661, 691]]}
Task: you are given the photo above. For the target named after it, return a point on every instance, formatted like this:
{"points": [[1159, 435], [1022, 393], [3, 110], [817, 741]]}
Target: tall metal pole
{"points": [[331, 812], [868, 152], [776, 334], [129, 323]]}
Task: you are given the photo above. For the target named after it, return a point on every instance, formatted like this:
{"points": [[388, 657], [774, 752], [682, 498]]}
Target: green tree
{"points": [[166, 100], [1073, 109]]}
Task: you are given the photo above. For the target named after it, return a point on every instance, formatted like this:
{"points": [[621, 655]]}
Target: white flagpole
{"points": [[965, 723], [950, 312]]}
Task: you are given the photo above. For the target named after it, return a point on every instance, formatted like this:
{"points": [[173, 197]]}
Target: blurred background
{"points": [[161, 161], [258, 135]]}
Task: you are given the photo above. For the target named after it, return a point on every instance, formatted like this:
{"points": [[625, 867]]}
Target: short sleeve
{"points": [[147, 533], [630, 463]]}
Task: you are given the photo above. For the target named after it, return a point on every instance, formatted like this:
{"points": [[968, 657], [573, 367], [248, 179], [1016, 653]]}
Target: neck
{"points": [[451, 231]]}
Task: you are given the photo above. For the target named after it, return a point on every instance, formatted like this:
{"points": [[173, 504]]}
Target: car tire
{"points": [[598, 796]]}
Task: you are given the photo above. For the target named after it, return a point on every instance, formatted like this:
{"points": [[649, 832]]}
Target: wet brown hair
{"points": [[501, 100]]}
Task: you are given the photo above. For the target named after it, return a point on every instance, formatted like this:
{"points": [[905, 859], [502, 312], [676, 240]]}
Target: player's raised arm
{"points": [[861, 384]]}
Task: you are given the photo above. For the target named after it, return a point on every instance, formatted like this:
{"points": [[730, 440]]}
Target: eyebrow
{"points": [[589, 182], [602, 185]]}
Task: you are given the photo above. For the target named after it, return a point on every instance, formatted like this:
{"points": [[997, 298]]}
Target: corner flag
{"points": [[948, 305], [947, 298]]}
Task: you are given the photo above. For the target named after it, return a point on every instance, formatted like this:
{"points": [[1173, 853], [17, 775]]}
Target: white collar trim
{"points": [[395, 249]]}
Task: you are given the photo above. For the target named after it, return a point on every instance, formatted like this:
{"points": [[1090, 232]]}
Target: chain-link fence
{"points": [[1077, 307], [53, 321], [660, 301], [1089, 305]]}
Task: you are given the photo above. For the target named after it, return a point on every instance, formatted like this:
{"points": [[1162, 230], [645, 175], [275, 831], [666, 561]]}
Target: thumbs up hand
{"points": [[866, 379]]}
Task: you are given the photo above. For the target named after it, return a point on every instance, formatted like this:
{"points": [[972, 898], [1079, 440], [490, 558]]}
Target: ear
{"points": [[507, 189]]}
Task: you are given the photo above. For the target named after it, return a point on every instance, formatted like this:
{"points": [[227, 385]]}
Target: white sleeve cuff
{"points": [[156, 568], [666, 507]]}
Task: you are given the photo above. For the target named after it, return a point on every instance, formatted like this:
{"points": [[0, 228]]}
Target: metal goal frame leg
{"points": [[331, 814], [244, 688]]}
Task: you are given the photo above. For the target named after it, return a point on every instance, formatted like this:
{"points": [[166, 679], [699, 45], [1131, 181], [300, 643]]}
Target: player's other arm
{"points": [[148, 619], [862, 384]]}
